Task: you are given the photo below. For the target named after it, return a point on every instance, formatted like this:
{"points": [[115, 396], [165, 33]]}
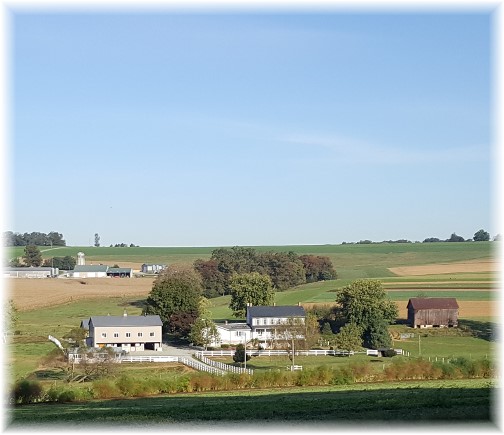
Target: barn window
{"points": [[140, 334], [152, 334], [104, 335], [116, 334], [128, 334]]}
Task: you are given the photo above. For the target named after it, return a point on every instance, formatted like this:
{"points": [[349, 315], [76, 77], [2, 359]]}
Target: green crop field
{"points": [[351, 260], [468, 401]]}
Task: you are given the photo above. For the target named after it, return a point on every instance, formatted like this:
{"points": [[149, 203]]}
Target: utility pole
{"points": [[292, 353], [245, 346]]}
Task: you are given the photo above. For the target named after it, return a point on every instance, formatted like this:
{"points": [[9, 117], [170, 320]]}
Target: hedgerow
{"points": [[27, 391]]}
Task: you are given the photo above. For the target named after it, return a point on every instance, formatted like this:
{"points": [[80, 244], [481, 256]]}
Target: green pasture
{"points": [[351, 261], [468, 401]]}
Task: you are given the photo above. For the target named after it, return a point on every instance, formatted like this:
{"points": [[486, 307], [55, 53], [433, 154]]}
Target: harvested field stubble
{"points": [[29, 294], [484, 265]]}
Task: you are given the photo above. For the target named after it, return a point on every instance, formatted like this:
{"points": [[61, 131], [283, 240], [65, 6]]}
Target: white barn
{"points": [[97, 271]]}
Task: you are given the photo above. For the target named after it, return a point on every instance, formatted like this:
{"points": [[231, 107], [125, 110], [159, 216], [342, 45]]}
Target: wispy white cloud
{"points": [[355, 150]]}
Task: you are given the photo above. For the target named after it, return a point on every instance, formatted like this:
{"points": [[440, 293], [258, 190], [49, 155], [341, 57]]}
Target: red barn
{"points": [[432, 312]]}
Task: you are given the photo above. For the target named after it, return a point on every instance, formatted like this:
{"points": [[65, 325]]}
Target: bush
{"points": [[389, 353], [105, 389], [26, 391]]}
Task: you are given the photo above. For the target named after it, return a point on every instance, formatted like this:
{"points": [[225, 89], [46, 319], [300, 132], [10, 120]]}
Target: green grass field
{"points": [[427, 401], [351, 261], [383, 402]]}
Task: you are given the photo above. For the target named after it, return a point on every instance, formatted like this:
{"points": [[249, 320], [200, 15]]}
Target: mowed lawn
{"points": [[359, 404]]}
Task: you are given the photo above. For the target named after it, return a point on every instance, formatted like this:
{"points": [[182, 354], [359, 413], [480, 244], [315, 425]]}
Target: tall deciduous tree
{"points": [[250, 288], [365, 303], [175, 297], [203, 332], [32, 256]]}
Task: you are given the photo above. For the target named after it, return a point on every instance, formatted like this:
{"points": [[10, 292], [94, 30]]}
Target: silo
{"points": [[81, 261]]}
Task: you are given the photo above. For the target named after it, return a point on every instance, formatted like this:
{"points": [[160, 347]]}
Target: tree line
{"points": [[479, 236], [285, 269], [35, 238]]}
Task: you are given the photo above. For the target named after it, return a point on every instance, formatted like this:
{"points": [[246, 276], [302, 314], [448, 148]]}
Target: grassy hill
{"points": [[351, 261]]}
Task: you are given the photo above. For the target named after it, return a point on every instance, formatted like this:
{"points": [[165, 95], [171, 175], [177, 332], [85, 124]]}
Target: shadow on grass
{"points": [[53, 374], [350, 406], [484, 330]]}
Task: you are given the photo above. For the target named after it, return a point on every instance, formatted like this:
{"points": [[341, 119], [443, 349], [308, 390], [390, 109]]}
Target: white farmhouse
{"points": [[262, 325]]}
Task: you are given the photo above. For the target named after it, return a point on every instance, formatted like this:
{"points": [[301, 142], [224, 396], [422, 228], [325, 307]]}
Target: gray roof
{"points": [[119, 270], [27, 269], [277, 311], [153, 320], [84, 324], [91, 268], [234, 326]]}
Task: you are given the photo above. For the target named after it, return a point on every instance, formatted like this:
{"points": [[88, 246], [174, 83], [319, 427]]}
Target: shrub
{"points": [[26, 391], [105, 389], [342, 376], [388, 353]]}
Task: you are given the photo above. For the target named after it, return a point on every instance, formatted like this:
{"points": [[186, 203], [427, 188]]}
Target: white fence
{"points": [[142, 359], [222, 366], [271, 352], [200, 366]]}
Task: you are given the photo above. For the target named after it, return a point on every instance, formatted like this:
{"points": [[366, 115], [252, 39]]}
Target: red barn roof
{"points": [[432, 303]]}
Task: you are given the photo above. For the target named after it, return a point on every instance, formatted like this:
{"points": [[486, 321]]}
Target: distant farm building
{"points": [[30, 272], [89, 271], [152, 268], [432, 312], [120, 272]]}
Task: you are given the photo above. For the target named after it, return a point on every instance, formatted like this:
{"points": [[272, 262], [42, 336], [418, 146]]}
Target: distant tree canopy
{"points": [[455, 238], [63, 263], [32, 256], [285, 269], [481, 236], [431, 240], [35, 239]]}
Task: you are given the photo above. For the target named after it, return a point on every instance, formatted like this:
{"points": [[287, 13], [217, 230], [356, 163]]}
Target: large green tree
{"points": [[175, 297], [364, 303], [32, 256], [349, 338], [250, 288]]}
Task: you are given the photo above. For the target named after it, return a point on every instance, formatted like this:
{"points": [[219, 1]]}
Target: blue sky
{"points": [[257, 128]]}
